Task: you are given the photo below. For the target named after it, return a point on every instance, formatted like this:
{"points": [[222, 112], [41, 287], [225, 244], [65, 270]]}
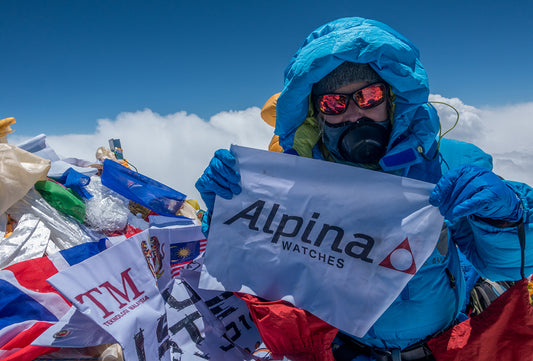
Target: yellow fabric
{"points": [[5, 128], [274, 145], [268, 112], [194, 203]]}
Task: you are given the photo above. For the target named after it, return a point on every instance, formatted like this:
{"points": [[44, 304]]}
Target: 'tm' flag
{"points": [[117, 290], [29, 305]]}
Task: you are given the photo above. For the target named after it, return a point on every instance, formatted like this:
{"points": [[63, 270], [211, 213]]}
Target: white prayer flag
{"points": [[117, 290], [340, 242]]}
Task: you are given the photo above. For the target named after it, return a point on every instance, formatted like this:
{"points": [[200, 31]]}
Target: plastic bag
{"points": [[19, 170], [28, 240], [106, 211]]}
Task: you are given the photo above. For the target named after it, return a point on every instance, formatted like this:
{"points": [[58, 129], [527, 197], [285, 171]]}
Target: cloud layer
{"points": [[175, 149], [504, 132]]}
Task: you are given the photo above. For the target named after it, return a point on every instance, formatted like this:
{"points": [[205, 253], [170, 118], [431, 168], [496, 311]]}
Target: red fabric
{"points": [[21, 346], [290, 331], [503, 331], [152, 213], [128, 232]]}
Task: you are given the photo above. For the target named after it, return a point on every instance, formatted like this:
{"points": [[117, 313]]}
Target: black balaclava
{"points": [[363, 142]]}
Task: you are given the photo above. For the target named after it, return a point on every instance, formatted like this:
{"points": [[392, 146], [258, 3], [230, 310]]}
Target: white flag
{"points": [[117, 290], [340, 242]]}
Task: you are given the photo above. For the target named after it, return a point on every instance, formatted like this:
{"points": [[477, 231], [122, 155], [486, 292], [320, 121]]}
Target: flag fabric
{"points": [[214, 325], [117, 290], [141, 189], [173, 247], [74, 330], [503, 331], [183, 253], [370, 230], [29, 305]]}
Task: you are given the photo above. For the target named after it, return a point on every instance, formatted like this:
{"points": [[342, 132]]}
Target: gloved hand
{"points": [[471, 190], [219, 178]]}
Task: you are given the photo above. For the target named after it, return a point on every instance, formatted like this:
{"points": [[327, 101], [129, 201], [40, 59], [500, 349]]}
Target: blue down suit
{"points": [[434, 297]]}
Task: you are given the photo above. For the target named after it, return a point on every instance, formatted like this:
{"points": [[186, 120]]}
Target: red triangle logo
{"points": [[402, 246]]}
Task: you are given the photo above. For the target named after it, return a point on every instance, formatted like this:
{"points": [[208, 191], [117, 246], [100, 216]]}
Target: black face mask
{"points": [[364, 141]]}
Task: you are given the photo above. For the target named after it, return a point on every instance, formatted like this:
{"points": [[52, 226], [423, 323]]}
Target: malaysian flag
{"points": [[184, 253]]}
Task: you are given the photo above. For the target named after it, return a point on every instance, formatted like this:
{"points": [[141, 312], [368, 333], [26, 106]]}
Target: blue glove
{"points": [[471, 190], [219, 178]]}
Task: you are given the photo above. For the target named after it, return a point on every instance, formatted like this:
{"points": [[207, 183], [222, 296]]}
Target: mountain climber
{"points": [[356, 93]]}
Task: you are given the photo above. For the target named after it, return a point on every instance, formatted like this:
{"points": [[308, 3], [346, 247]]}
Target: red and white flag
{"points": [[30, 306]]}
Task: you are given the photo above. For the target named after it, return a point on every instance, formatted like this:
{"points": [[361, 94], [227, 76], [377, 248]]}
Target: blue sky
{"points": [[65, 64]]}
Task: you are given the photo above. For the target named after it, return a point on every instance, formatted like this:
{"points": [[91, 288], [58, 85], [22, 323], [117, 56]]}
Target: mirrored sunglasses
{"points": [[368, 97]]}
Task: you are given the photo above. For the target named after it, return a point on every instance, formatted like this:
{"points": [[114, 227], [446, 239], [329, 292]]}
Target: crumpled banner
{"points": [[39, 146], [29, 240], [61, 198], [230, 333], [116, 289], [302, 227], [217, 327], [19, 170]]}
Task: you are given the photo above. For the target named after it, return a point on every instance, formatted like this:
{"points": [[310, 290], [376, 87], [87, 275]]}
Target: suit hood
{"points": [[391, 55]]}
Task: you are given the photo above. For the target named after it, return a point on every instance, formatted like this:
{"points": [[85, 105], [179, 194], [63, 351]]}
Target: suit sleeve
{"points": [[494, 250]]}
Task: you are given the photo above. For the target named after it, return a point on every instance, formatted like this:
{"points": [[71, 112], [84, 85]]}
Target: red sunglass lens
{"points": [[332, 104], [370, 96]]}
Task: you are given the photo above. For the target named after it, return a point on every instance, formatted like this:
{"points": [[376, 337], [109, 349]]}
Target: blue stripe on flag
{"points": [[81, 252], [16, 306]]}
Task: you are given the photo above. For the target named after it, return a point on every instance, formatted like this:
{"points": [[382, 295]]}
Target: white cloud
{"points": [[175, 149], [504, 132]]}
